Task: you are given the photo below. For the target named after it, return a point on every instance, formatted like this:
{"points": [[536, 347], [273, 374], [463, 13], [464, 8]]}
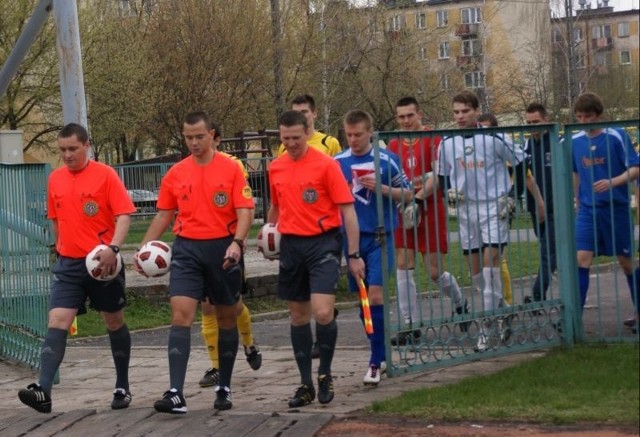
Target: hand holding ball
{"points": [[92, 261]]}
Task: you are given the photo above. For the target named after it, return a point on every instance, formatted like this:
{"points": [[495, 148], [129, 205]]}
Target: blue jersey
{"points": [[353, 167], [605, 156]]}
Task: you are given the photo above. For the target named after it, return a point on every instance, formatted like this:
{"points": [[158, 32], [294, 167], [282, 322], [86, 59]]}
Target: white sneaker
{"points": [[383, 367], [483, 340], [373, 376], [504, 327]]}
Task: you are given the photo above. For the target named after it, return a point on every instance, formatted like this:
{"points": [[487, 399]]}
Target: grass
{"points": [[597, 383], [139, 227]]}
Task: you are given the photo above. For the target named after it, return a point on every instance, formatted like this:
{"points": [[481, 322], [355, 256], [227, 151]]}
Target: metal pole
{"points": [[74, 109], [23, 44]]}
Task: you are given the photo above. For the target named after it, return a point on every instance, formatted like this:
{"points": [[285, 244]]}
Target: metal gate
{"points": [[24, 261], [437, 332]]}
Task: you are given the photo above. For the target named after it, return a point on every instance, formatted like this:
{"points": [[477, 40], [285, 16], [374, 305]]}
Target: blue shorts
{"points": [[596, 231], [71, 285], [309, 265], [196, 271], [371, 253]]}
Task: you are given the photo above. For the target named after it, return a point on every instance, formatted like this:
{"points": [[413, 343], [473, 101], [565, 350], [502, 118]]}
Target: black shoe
{"points": [[315, 351], [528, 300], [223, 399], [325, 389], [630, 322], [335, 313], [254, 356], [304, 396], [211, 377], [172, 402], [121, 399], [504, 328], [406, 337], [36, 398], [464, 309]]}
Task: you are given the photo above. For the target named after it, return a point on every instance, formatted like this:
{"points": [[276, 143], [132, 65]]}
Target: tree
{"points": [[31, 102]]}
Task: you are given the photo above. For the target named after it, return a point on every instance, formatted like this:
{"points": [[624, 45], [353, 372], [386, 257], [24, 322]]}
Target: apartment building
{"points": [[489, 46], [605, 50]]}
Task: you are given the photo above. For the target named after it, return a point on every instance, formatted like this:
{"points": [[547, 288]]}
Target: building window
{"points": [[602, 31], [442, 18], [603, 58], [444, 50], [421, 21], [474, 79], [423, 53], [623, 29], [470, 15], [578, 34], [625, 57], [557, 35], [125, 8], [395, 23], [580, 61], [445, 82], [471, 47]]}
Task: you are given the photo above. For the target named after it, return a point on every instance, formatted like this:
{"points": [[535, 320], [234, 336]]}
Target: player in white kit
{"points": [[473, 169]]}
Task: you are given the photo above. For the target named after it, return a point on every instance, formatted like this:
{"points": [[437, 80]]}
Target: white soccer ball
{"points": [[92, 264], [269, 241], [154, 258]]}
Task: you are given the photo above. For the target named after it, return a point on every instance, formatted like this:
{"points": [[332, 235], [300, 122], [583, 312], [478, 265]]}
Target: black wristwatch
{"points": [[354, 255], [239, 242], [116, 249]]}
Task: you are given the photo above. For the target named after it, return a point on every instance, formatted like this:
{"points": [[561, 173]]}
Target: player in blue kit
{"points": [[358, 167], [604, 162]]}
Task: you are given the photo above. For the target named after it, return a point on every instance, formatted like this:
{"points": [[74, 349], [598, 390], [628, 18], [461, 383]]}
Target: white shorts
{"points": [[480, 225]]}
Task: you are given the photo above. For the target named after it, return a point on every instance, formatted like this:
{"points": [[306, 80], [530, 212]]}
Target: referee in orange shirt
{"points": [[310, 200], [214, 208]]}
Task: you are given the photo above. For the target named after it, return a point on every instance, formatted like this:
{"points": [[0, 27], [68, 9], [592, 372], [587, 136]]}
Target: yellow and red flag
{"points": [[366, 311]]}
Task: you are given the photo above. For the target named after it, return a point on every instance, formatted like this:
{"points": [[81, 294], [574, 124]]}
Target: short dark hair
{"points": [[305, 98], [408, 100], [76, 129], [468, 98], [589, 103], [537, 107], [356, 116], [293, 118], [487, 116], [217, 132], [197, 116]]}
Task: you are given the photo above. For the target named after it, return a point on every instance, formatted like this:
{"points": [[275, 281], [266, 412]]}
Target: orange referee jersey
{"points": [[308, 192], [85, 205], [206, 197]]}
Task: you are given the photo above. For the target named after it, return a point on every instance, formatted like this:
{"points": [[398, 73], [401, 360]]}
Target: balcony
{"points": [[465, 30], [467, 61], [602, 43]]}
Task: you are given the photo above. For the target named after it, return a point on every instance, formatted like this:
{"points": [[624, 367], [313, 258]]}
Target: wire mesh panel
{"points": [[467, 254], [24, 261]]}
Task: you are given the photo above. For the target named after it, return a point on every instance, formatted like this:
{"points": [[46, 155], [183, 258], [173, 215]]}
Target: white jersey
{"points": [[476, 164]]}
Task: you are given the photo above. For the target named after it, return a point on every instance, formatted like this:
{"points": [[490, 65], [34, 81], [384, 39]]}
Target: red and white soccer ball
{"points": [[269, 241], [154, 258], [92, 264]]}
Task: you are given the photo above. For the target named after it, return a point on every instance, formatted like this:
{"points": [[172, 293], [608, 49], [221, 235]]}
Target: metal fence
{"points": [[24, 261], [431, 332]]}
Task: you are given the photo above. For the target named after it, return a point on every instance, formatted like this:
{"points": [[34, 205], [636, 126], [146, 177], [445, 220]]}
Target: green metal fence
{"points": [[526, 323], [24, 261]]}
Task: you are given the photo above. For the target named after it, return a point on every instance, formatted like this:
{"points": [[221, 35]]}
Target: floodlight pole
{"points": [[74, 107]]}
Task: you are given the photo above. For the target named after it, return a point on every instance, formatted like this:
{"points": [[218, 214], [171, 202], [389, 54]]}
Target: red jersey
{"points": [[206, 197], [85, 205], [308, 193], [417, 157]]}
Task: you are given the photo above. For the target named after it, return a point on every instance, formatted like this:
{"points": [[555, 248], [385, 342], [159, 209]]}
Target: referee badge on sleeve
{"points": [[246, 192]]}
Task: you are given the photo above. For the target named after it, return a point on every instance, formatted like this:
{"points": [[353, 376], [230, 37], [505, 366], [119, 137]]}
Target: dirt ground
{"points": [[369, 426]]}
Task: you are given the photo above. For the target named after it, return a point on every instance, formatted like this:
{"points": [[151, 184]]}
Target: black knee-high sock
{"points": [[121, 351], [228, 349], [327, 337], [302, 343], [179, 350], [53, 348]]}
